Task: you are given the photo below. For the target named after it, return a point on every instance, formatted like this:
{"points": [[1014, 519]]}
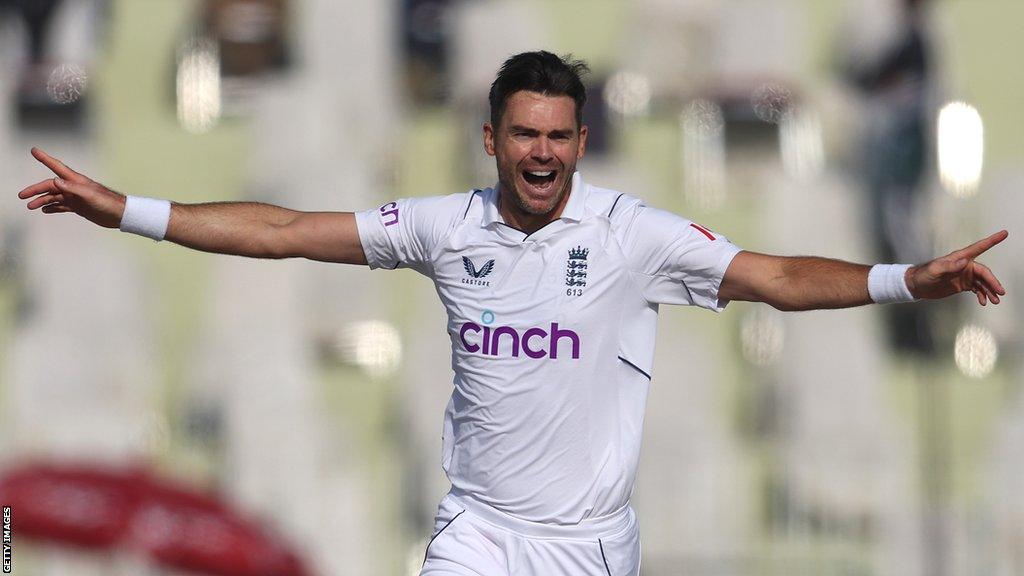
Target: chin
{"points": [[539, 210], [536, 207]]}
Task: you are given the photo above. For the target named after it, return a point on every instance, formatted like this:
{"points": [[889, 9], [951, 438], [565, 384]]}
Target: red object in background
{"points": [[175, 525]]}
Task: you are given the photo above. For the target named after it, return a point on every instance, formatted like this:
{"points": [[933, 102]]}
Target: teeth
{"points": [[540, 174]]}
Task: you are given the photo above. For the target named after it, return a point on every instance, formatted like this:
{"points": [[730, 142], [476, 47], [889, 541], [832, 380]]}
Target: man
{"points": [[552, 289]]}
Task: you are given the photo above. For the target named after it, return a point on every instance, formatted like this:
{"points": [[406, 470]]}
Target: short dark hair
{"points": [[541, 72]]}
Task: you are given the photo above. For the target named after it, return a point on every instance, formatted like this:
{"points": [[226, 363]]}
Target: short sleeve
{"points": [[677, 261], [404, 233]]}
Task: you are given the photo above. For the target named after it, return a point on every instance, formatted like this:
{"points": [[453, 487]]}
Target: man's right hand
{"points": [[250, 229], [73, 192]]}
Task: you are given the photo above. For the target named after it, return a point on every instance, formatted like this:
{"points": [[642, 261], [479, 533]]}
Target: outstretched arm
{"points": [[241, 228], [811, 283]]}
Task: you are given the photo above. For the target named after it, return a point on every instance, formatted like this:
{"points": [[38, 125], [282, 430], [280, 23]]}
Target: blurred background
{"points": [[170, 412]]}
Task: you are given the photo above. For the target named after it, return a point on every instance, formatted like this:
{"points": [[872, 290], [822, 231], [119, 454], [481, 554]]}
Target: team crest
{"points": [[474, 276], [576, 271]]}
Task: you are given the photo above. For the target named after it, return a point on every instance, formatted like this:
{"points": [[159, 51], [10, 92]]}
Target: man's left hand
{"points": [[958, 272]]}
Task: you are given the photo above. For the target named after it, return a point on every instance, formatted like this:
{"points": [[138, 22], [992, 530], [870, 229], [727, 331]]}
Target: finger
{"points": [[58, 167], [989, 293], [44, 200], [984, 274], [55, 209], [981, 297], [992, 296], [974, 250], [38, 188]]}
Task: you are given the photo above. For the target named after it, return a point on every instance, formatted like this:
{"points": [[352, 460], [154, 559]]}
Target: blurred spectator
{"points": [[37, 16], [251, 34], [893, 159], [425, 40], [51, 72]]}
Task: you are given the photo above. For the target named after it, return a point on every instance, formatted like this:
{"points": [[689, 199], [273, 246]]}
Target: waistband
{"points": [[591, 528]]}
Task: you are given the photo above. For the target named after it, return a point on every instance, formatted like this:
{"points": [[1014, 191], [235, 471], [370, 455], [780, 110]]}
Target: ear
{"points": [[583, 142], [489, 138]]}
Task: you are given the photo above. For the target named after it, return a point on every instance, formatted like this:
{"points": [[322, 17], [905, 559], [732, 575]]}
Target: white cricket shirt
{"points": [[552, 336]]}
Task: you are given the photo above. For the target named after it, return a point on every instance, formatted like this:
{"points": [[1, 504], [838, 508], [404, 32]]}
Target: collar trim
{"points": [[573, 208]]}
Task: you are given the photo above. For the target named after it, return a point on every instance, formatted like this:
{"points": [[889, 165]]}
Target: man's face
{"points": [[536, 147]]}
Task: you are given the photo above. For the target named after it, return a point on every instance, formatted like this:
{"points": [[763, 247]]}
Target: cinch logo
{"points": [[483, 339], [389, 213]]}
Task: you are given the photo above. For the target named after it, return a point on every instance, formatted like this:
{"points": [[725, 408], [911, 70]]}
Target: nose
{"points": [[542, 150]]}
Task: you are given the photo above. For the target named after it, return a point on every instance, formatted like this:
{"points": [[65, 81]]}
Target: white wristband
{"points": [[887, 283], [146, 217]]}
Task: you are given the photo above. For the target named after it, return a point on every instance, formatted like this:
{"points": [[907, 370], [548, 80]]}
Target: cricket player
{"points": [[552, 287]]}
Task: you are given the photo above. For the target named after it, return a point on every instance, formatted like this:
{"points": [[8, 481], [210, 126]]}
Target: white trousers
{"points": [[473, 539]]}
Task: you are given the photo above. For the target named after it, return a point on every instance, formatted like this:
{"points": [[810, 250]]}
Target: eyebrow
{"points": [[557, 132]]}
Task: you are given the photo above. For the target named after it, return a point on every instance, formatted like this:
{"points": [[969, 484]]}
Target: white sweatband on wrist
{"points": [[887, 283], [146, 217]]}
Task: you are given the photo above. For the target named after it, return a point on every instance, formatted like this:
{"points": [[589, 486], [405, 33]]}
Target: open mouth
{"points": [[540, 179]]}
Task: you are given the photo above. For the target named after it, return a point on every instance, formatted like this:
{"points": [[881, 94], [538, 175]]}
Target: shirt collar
{"points": [[573, 208]]}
